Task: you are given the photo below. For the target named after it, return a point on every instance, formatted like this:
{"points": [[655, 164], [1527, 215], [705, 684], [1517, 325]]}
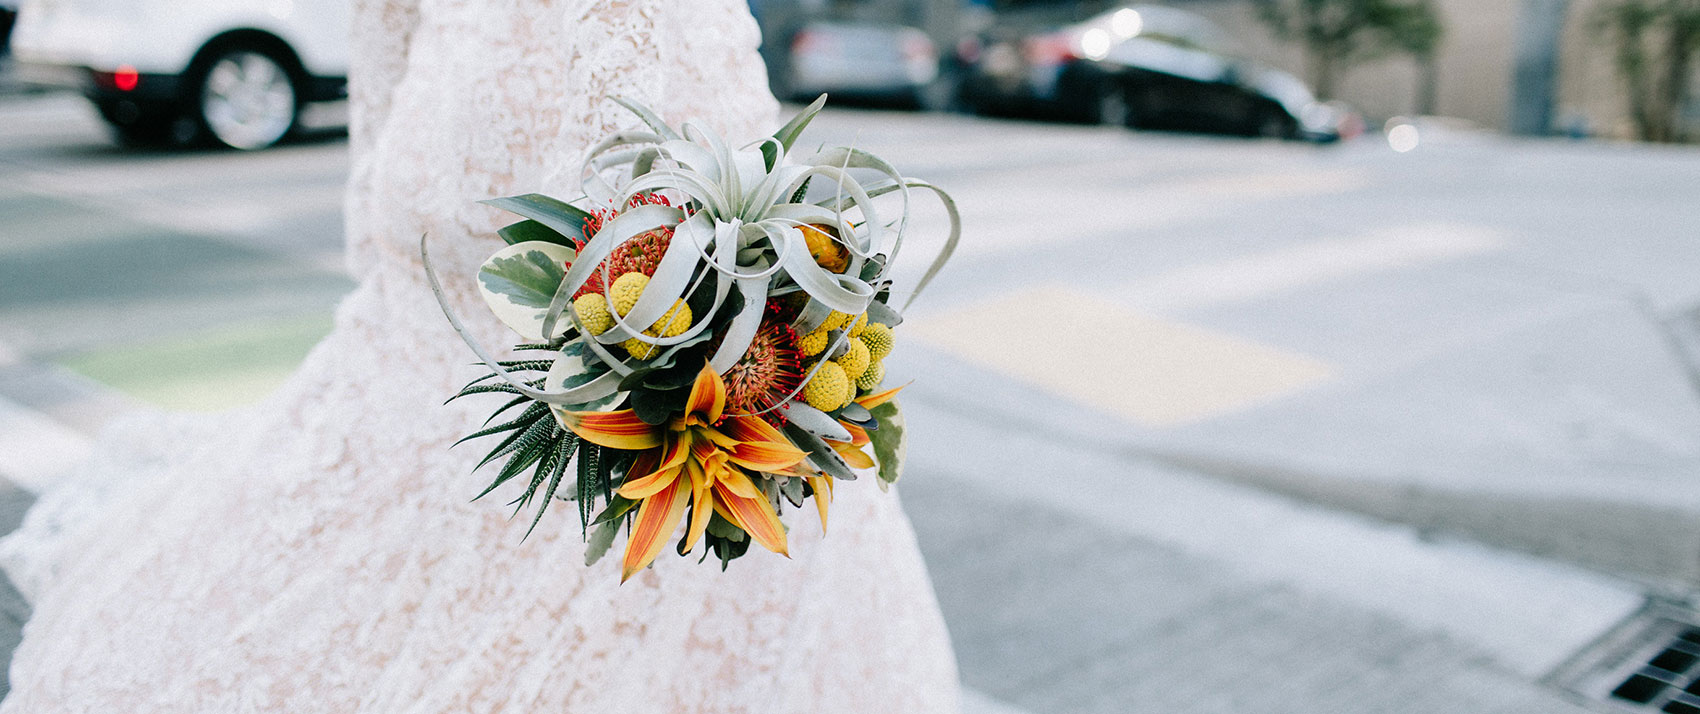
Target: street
{"points": [[1198, 424]]}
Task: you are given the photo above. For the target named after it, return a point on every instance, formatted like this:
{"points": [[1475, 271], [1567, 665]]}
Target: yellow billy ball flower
{"points": [[879, 339], [672, 324], [871, 379], [834, 321], [592, 310], [813, 343], [861, 324], [828, 389], [855, 360], [626, 291]]}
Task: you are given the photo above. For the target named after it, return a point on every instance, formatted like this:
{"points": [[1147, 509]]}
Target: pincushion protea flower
{"points": [[640, 254], [768, 373]]}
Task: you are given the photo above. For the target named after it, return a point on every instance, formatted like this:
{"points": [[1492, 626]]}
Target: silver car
{"points": [[861, 61]]}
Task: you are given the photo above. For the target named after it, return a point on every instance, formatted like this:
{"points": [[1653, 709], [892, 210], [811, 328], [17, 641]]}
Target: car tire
{"points": [[244, 97], [147, 126], [1114, 108], [1274, 125]]}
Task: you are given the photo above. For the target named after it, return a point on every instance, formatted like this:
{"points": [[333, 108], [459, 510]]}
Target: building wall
{"points": [[1476, 61]]}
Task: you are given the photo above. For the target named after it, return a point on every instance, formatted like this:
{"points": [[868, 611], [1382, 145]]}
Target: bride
{"points": [[318, 552]]}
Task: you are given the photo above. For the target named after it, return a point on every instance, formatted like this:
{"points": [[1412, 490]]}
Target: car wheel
{"points": [[1113, 108], [137, 125], [1275, 126], [247, 99]]}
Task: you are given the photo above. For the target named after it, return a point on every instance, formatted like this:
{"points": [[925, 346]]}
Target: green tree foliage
{"points": [[1655, 43], [1338, 33]]}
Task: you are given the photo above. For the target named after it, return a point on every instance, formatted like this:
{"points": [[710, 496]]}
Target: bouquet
{"points": [[704, 332]]}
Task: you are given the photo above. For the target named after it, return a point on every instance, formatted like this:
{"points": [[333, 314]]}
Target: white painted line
{"points": [[1528, 614], [1261, 275]]}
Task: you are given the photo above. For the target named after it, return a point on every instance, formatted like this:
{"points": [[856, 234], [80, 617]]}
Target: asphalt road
{"points": [[1477, 316]]}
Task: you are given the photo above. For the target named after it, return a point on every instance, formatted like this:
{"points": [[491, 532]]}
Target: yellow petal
{"points": [[823, 496], [615, 430], [657, 516], [852, 455], [708, 396]]}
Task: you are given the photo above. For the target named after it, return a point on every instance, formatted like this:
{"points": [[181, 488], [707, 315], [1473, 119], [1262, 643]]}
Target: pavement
{"points": [[1198, 425]]}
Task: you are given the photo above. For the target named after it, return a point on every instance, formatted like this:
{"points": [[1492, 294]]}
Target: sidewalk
{"points": [[1076, 579]]}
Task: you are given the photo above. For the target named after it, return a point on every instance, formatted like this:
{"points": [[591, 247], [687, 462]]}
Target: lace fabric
{"points": [[317, 552]]}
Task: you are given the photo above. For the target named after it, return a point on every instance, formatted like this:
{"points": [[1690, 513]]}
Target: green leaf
{"points": [[528, 279], [649, 118], [787, 135], [654, 407], [558, 467], [562, 217], [524, 419], [597, 543], [888, 441], [589, 481], [821, 455], [530, 230], [617, 506]]}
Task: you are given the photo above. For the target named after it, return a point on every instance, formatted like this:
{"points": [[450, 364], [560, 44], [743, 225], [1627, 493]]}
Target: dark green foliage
{"points": [[530, 230], [1337, 34]]}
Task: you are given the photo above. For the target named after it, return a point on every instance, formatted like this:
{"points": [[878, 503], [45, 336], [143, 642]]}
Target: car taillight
{"points": [[123, 79], [968, 50], [126, 78], [917, 47], [809, 41], [1055, 48]]}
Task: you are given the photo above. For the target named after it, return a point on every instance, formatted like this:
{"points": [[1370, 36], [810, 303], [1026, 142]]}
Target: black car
{"points": [[1148, 67]]}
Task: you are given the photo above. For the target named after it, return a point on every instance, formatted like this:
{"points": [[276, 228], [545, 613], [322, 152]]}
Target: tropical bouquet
{"points": [[704, 333]]}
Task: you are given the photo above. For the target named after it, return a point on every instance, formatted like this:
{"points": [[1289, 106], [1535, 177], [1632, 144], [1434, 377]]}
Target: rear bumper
{"points": [[102, 86]]}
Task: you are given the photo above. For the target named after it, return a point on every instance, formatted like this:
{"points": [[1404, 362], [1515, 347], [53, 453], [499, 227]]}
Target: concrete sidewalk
{"points": [[1078, 579]]}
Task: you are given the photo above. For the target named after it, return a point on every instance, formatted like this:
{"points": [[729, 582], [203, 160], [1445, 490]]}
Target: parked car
{"points": [[235, 71], [8, 15], [1145, 66], [865, 61]]}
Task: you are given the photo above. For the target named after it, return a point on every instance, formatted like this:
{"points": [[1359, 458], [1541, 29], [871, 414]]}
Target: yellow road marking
{"points": [[1157, 373]]}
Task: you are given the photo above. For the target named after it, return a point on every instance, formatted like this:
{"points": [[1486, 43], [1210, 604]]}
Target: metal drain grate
{"points": [[1649, 663], [1670, 679]]}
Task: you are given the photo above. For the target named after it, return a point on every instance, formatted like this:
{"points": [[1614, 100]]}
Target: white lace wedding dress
{"points": [[318, 553]]}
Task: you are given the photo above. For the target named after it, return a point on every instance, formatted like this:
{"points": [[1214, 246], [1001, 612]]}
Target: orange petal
{"points": [[760, 448], [615, 430], [708, 396], [657, 516], [649, 485], [874, 400], [858, 435], [701, 507], [823, 496], [678, 448], [738, 482], [754, 515], [853, 455], [751, 428]]}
